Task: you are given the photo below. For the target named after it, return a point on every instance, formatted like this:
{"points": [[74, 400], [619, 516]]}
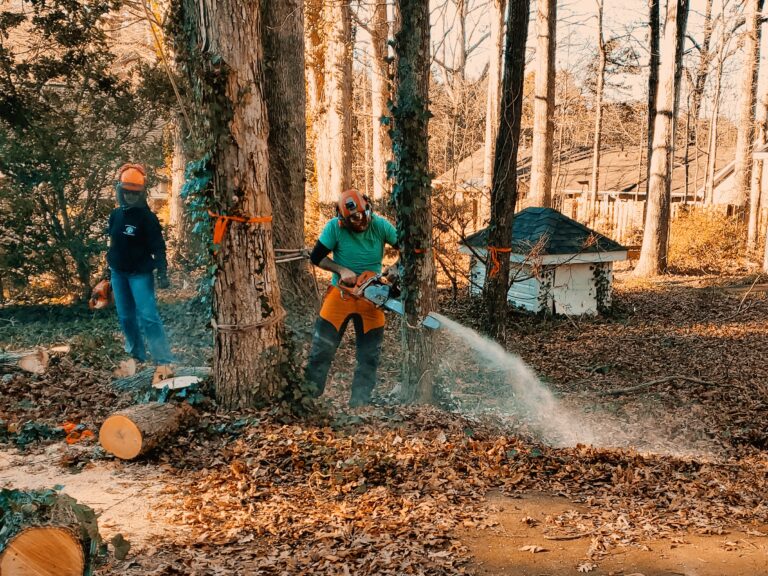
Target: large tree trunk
{"points": [[544, 104], [333, 144], [742, 174], [654, 25], [412, 195], [224, 58], [504, 190], [45, 533], [493, 104], [598, 107], [380, 95], [286, 105], [138, 429], [653, 253]]}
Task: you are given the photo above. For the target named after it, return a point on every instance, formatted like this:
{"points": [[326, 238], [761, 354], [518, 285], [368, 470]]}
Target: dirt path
{"points": [[124, 495], [522, 522]]}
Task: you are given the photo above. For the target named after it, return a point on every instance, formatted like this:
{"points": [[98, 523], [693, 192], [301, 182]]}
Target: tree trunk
{"points": [[653, 253], [333, 145], [742, 175], [709, 178], [702, 71], [138, 429], [504, 190], [412, 195], [46, 533], [183, 242], [654, 24], [598, 134], [544, 104], [224, 58], [493, 105], [381, 93], [286, 105]]}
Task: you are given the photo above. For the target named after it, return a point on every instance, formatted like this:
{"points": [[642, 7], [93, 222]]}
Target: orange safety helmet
{"points": [[352, 202], [132, 177], [101, 297]]}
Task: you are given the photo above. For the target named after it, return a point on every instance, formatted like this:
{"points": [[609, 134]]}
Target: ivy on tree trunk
{"points": [[412, 194]]}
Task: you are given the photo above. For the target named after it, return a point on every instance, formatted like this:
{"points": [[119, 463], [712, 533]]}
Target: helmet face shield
{"points": [[130, 198], [131, 185], [355, 210]]}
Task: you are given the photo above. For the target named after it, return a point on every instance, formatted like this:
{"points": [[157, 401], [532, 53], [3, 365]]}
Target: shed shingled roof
{"points": [[562, 235]]}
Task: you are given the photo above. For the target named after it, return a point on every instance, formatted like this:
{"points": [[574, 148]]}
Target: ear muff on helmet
{"points": [[132, 178], [352, 202]]}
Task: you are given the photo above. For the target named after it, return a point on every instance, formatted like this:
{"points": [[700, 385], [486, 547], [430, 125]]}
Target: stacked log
{"points": [[45, 533]]}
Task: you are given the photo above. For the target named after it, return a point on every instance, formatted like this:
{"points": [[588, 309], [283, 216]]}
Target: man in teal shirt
{"points": [[357, 238]]}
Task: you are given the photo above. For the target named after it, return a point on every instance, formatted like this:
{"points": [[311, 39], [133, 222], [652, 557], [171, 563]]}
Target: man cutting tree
{"points": [[356, 237]]}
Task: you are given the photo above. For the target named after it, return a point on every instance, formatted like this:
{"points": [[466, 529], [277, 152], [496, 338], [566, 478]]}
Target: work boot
{"points": [[163, 372]]}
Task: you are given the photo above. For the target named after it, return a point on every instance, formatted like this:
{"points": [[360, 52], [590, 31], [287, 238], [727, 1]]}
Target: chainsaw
{"points": [[382, 293]]}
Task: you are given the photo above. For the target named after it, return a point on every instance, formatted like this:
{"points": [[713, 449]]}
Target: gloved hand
{"points": [[162, 280]]}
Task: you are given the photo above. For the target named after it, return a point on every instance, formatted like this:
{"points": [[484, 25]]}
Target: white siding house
{"points": [[558, 265]]}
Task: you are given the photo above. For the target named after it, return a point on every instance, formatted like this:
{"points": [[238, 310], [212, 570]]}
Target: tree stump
{"points": [[43, 551], [138, 429], [34, 361], [45, 533]]}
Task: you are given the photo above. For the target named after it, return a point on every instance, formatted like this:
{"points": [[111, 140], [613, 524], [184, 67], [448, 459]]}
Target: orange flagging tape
{"points": [[494, 252], [222, 221]]}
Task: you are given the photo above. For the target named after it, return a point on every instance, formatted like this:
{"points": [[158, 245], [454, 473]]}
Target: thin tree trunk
{"points": [[504, 190], [752, 53], [496, 10], [544, 104], [654, 24], [380, 95], [412, 195], [333, 147], [598, 106], [702, 71], [221, 41], [286, 105], [709, 181], [653, 253]]}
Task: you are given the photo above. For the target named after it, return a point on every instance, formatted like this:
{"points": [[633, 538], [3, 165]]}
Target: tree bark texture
{"points": [[751, 50], [544, 104], [654, 25], [381, 93], [504, 190], [333, 124], [225, 61], [493, 106], [598, 133], [412, 195], [745, 129], [653, 253], [286, 101]]}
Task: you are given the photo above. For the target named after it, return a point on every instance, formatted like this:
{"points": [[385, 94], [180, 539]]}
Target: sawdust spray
{"points": [[505, 385]]}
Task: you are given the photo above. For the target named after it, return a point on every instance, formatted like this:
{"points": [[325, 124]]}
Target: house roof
{"points": [[619, 170], [554, 232]]}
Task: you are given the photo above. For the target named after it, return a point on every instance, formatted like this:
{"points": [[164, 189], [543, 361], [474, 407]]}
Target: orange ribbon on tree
{"points": [[222, 221], [493, 252]]}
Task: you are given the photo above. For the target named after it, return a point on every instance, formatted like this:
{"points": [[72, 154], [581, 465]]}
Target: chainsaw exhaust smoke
{"points": [[512, 390]]}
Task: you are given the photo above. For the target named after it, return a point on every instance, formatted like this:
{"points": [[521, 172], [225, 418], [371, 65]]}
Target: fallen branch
{"points": [[569, 537], [142, 381], [620, 391]]}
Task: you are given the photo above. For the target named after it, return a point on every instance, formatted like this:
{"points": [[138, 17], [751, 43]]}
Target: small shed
{"points": [[557, 264]]}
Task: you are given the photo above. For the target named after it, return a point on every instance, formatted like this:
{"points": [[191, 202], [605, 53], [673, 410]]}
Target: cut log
{"points": [[138, 429], [43, 551], [34, 361], [142, 381], [46, 533]]}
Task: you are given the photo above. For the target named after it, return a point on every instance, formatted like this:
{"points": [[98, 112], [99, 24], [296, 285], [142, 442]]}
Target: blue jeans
{"points": [[137, 312]]}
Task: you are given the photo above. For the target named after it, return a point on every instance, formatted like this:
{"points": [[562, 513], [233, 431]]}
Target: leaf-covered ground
{"points": [[671, 389]]}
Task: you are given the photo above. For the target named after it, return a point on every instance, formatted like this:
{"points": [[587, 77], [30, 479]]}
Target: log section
{"points": [[138, 429], [43, 551]]}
